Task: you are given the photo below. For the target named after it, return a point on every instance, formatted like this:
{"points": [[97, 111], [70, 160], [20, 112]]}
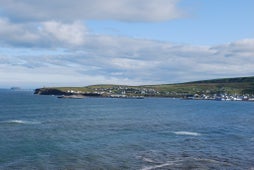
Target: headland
{"points": [[236, 89]]}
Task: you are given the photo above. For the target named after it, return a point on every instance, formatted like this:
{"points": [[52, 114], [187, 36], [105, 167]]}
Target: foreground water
{"points": [[43, 132]]}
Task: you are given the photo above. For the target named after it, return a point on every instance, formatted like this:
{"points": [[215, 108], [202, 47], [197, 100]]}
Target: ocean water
{"points": [[43, 132]]}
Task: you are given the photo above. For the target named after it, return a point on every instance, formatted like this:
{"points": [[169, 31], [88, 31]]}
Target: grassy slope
{"points": [[229, 85]]}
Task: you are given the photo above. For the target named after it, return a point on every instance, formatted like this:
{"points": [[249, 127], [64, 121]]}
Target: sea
{"points": [[44, 132]]}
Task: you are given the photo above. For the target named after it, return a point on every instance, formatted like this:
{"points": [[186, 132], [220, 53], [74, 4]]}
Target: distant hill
{"points": [[239, 85], [236, 86], [226, 80]]}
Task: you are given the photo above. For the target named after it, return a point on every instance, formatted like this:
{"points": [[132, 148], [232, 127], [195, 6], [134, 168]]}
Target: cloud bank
{"points": [[123, 60], [46, 43], [123, 10]]}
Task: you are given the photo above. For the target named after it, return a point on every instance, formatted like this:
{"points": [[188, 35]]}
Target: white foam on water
{"points": [[180, 162], [187, 133], [148, 160], [159, 166], [16, 121], [213, 161]]}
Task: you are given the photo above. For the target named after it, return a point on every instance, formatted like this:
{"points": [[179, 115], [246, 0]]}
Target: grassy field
{"points": [[241, 85]]}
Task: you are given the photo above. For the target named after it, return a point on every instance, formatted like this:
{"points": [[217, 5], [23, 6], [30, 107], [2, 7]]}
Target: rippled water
{"points": [[43, 132]]}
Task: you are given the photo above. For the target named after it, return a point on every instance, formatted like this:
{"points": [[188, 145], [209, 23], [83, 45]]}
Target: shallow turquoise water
{"points": [[43, 132]]}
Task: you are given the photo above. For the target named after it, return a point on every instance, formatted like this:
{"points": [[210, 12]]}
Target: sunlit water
{"points": [[43, 132]]}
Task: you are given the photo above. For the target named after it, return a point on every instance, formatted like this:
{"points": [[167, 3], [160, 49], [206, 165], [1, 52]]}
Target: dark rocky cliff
{"points": [[49, 91], [53, 91]]}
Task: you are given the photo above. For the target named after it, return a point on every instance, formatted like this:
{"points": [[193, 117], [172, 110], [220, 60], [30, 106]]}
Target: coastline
{"points": [[228, 89]]}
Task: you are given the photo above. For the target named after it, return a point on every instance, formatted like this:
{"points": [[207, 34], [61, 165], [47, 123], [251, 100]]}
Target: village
{"points": [[220, 97], [140, 93], [119, 92]]}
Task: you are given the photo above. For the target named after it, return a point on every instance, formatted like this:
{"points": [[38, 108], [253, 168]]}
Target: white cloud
{"points": [[16, 33], [86, 58], [124, 10], [42, 34], [131, 64], [70, 33], [129, 61]]}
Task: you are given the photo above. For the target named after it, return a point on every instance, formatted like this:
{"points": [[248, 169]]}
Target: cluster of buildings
{"points": [[116, 92], [122, 91], [140, 92], [220, 97]]}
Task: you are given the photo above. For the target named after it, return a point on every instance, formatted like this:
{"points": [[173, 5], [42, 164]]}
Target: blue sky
{"points": [[82, 42], [206, 23]]}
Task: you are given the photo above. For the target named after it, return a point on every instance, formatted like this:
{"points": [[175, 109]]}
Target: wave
{"points": [[159, 166], [195, 161], [148, 160], [212, 161], [187, 133], [16, 121]]}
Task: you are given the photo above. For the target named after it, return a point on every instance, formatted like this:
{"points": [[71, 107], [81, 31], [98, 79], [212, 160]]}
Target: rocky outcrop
{"points": [[56, 92], [49, 91]]}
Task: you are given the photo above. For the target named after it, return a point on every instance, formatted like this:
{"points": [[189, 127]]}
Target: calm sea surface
{"points": [[43, 132]]}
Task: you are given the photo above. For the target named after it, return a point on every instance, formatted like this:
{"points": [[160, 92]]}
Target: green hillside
{"points": [[234, 86], [240, 85]]}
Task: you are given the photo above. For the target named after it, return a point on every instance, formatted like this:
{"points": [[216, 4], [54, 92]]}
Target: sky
{"points": [[129, 42]]}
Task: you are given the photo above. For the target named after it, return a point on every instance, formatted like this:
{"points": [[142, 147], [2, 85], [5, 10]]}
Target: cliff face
{"points": [[54, 91], [48, 91]]}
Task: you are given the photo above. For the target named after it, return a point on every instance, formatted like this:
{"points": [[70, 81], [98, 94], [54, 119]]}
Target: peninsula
{"points": [[240, 88]]}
